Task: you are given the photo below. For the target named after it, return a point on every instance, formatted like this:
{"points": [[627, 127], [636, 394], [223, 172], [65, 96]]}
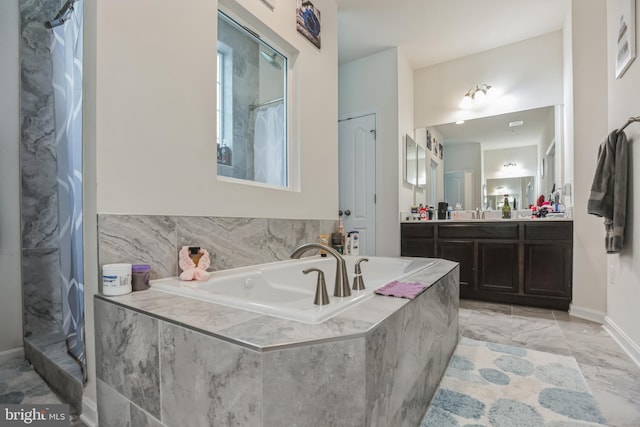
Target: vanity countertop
{"points": [[498, 220], [263, 333]]}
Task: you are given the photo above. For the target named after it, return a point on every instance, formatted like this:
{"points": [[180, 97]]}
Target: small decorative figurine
{"points": [[193, 270]]}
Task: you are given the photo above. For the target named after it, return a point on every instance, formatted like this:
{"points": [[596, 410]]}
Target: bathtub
{"points": [[280, 289]]}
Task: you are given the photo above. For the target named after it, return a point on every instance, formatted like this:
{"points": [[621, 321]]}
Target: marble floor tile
{"points": [[482, 306], [20, 383], [612, 376], [538, 333], [485, 326]]}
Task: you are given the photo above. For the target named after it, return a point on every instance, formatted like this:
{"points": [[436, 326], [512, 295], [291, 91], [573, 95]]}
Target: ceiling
{"points": [[494, 132], [433, 31]]}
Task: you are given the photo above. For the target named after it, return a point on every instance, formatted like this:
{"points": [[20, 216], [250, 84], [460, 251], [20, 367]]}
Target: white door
{"points": [[458, 188], [357, 175], [453, 187]]}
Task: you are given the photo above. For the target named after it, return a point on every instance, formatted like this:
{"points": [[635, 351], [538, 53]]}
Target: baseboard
{"points": [[587, 314], [89, 414], [12, 353], [623, 340]]}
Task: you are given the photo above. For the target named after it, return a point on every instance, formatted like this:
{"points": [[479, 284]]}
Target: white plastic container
{"points": [[116, 279]]}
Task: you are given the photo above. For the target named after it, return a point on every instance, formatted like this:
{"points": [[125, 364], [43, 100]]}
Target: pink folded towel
{"points": [[401, 289]]}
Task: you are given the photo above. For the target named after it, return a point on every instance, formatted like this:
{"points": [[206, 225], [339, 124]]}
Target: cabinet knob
{"points": [[347, 212]]}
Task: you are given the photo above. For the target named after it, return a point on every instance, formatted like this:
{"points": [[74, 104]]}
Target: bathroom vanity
{"points": [[526, 262], [170, 360]]}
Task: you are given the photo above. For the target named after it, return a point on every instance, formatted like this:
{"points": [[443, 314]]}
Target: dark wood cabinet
{"points": [[518, 262], [498, 267], [460, 251]]}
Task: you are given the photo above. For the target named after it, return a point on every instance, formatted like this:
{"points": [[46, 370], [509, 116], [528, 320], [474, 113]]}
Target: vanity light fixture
{"points": [[476, 95]]}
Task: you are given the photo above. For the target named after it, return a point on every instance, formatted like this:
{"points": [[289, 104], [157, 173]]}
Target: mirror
{"points": [[422, 167], [507, 151], [410, 160], [251, 107], [520, 190]]}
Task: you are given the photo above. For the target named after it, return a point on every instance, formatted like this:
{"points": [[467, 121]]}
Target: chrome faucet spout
{"points": [[341, 288]]}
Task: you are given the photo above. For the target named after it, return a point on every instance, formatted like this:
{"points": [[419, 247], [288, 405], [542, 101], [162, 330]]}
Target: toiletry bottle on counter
{"points": [[506, 209], [323, 240], [423, 212], [116, 279], [140, 277]]}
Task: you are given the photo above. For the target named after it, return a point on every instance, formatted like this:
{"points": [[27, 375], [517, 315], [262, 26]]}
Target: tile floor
{"points": [[19, 383], [612, 376]]}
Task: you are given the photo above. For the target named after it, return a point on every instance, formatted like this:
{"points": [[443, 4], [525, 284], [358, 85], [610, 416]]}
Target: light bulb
{"points": [[466, 102], [479, 96]]}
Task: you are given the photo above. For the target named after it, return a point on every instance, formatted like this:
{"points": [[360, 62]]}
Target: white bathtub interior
{"points": [[280, 289]]}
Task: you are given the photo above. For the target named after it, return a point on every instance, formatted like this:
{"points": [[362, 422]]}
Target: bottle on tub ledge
{"points": [[353, 243], [338, 237]]}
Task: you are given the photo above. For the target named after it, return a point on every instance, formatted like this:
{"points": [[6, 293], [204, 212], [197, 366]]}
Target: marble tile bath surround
{"points": [[231, 242], [171, 361]]}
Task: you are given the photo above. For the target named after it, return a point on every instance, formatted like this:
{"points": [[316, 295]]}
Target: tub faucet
{"points": [[358, 282], [341, 288]]}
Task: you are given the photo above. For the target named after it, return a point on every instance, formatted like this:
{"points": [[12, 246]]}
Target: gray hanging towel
{"points": [[608, 198]]}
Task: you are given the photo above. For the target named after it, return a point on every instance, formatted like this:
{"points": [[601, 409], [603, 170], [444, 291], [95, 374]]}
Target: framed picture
{"points": [[428, 140], [626, 43], [441, 148], [308, 21], [435, 147]]}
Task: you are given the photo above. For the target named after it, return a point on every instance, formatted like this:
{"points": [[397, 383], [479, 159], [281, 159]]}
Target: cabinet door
{"points": [[547, 269], [418, 246], [461, 252], [498, 267], [417, 240]]}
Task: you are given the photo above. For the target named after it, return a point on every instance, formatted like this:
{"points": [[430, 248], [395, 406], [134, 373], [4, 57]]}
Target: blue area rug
{"points": [[495, 385]]}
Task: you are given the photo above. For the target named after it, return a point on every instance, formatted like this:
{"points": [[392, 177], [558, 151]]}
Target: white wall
{"points": [[528, 73], [155, 131], [361, 91], [589, 80], [524, 157], [623, 291], [407, 194], [10, 280]]}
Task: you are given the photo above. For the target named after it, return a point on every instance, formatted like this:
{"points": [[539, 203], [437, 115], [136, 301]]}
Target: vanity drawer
{"points": [[417, 230], [478, 231], [549, 231]]}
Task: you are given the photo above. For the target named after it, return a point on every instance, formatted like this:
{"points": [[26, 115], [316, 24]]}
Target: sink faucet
{"points": [[341, 288]]}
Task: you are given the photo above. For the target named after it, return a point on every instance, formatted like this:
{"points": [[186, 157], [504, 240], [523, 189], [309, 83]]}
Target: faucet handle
{"points": [[358, 283], [321, 298]]}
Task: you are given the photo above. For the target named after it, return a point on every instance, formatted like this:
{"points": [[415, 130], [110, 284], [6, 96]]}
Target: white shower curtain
{"points": [[269, 145], [66, 53]]}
